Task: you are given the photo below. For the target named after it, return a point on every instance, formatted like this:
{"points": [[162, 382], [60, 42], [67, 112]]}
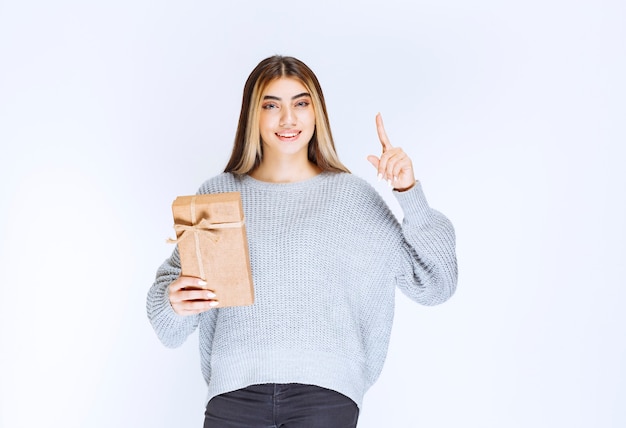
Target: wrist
{"points": [[404, 189]]}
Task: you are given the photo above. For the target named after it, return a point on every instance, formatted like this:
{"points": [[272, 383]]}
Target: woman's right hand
{"points": [[190, 295]]}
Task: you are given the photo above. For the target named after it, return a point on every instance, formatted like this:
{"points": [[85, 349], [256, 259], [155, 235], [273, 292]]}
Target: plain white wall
{"points": [[513, 113]]}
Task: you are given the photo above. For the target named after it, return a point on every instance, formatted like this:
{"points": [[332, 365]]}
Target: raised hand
{"points": [[394, 165]]}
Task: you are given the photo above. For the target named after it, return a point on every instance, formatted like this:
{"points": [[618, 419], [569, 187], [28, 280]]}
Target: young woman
{"points": [[326, 256]]}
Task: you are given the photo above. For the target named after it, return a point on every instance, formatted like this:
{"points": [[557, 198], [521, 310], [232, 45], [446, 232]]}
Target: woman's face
{"points": [[287, 119]]}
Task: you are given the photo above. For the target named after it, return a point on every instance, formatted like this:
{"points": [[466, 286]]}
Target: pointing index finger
{"points": [[382, 135]]}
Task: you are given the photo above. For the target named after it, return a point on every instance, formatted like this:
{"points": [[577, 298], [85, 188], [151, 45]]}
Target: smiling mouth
{"points": [[288, 134]]}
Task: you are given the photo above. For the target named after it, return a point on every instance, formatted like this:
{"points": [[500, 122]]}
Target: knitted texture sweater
{"points": [[326, 256]]}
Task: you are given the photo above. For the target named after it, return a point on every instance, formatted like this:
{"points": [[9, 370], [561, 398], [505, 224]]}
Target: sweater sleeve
{"points": [[429, 267], [171, 328]]}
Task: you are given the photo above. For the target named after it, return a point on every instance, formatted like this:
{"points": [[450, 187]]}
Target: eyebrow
{"points": [[272, 97]]}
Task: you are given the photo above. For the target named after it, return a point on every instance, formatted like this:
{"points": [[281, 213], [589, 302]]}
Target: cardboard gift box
{"points": [[212, 243]]}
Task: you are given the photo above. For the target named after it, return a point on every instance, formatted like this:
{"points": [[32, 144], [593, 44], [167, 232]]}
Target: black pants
{"points": [[288, 405]]}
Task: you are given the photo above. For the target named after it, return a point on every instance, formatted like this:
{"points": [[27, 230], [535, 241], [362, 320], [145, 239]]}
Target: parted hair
{"points": [[247, 151]]}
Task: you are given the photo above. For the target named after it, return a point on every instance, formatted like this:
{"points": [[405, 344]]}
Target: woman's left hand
{"points": [[394, 165]]}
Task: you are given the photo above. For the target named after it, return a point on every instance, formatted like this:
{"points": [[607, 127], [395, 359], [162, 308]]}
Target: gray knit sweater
{"points": [[326, 256]]}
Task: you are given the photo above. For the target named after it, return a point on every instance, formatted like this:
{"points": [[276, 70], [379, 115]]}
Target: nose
{"points": [[288, 117]]}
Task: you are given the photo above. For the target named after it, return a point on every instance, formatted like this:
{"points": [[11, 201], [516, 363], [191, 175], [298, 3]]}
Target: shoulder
{"points": [[356, 195], [349, 182], [224, 182], [352, 187]]}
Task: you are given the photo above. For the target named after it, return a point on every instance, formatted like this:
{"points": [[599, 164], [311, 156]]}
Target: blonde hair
{"points": [[247, 151]]}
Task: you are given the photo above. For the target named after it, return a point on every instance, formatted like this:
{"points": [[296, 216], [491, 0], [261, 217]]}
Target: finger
{"points": [[187, 282], [383, 167], [382, 135], [194, 307], [195, 295], [388, 160], [377, 164], [182, 296], [373, 160], [394, 164], [200, 305], [396, 167], [400, 168]]}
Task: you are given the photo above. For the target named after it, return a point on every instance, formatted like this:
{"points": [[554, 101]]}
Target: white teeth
{"points": [[287, 135]]}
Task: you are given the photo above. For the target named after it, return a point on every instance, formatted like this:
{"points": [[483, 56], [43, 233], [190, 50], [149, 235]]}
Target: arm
{"points": [[174, 302], [428, 266], [429, 263]]}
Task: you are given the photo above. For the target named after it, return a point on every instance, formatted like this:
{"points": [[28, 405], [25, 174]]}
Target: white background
{"points": [[513, 112]]}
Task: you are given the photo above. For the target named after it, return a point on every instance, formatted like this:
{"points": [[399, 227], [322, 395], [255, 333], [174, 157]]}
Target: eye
{"points": [[303, 103], [269, 106]]}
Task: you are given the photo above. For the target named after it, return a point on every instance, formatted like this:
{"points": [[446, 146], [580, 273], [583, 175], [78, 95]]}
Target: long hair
{"points": [[247, 150]]}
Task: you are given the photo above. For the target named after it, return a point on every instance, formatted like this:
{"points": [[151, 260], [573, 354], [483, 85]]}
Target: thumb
{"points": [[373, 160]]}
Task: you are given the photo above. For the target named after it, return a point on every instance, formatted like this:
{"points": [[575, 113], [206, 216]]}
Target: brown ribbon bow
{"points": [[205, 226]]}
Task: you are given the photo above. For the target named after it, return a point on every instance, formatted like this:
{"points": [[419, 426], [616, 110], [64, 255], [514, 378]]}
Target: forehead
{"points": [[285, 86]]}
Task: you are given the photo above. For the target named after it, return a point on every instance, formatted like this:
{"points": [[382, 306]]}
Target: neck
{"points": [[285, 170]]}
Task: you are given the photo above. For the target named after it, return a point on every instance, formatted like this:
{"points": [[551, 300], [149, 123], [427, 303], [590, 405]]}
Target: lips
{"points": [[288, 135]]}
